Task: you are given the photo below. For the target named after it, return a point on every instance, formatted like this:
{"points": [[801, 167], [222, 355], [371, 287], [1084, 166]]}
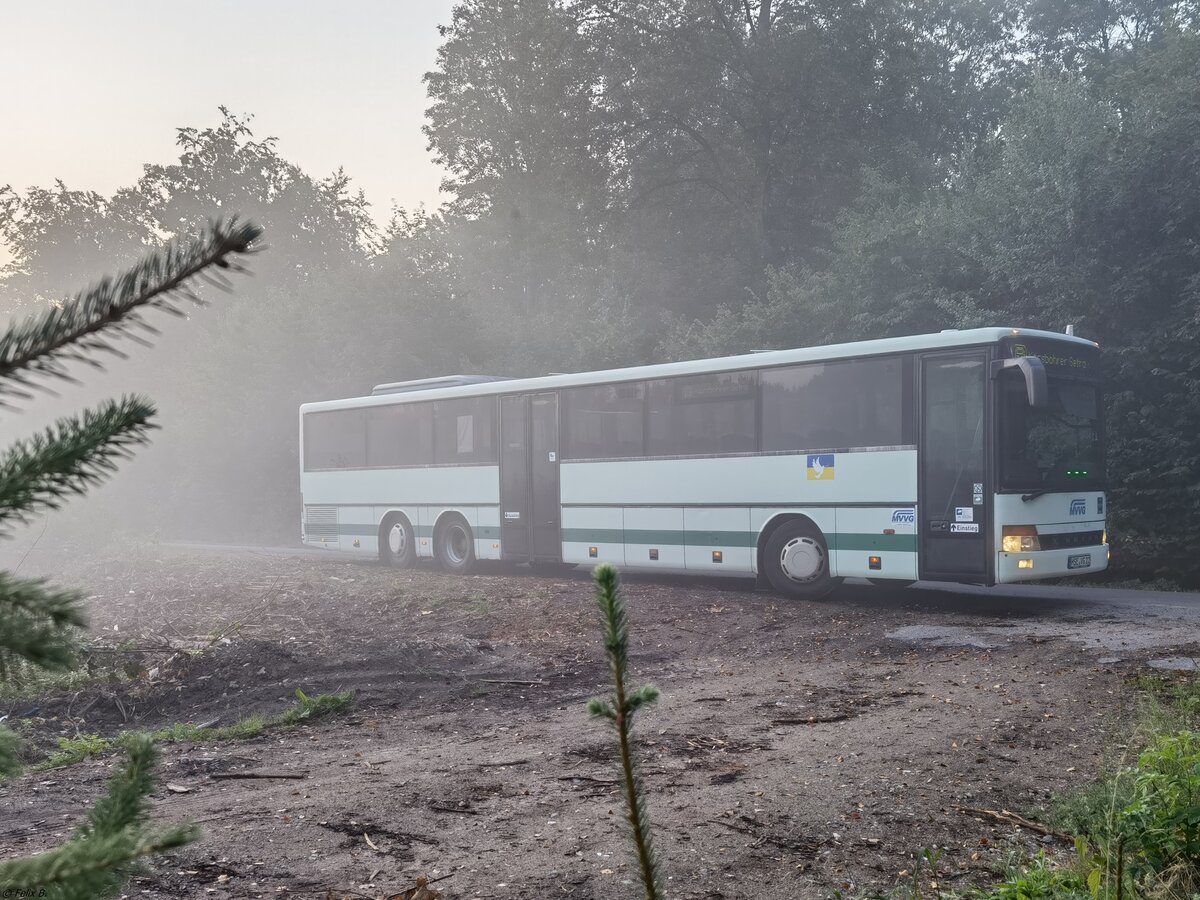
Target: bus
{"points": [[970, 456]]}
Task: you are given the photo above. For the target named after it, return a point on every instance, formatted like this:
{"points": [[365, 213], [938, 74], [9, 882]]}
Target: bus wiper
{"points": [[1033, 495]]}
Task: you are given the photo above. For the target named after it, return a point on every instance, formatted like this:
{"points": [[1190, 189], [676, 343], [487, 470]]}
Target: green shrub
{"points": [[1093, 810], [1037, 880], [1168, 704], [1161, 826]]}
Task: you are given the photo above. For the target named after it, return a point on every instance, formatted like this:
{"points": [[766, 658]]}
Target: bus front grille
{"points": [[1069, 539], [321, 523]]}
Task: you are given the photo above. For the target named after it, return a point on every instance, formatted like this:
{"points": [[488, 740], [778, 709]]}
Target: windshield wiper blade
{"points": [[1033, 495]]}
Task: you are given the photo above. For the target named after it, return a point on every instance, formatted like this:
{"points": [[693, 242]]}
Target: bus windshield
{"points": [[1056, 447]]}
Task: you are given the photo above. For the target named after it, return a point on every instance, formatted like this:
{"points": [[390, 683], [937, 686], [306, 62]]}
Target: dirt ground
{"points": [[798, 750]]}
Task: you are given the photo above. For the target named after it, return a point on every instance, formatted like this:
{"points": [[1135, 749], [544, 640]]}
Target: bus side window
{"points": [[335, 439], [465, 430], [855, 403], [604, 422], [703, 414]]}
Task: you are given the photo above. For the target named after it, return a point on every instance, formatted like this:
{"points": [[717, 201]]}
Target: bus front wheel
{"points": [[796, 561], [454, 546], [397, 548]]}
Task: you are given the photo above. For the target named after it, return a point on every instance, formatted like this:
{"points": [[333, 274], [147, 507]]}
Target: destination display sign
{"points": [[1055, 356]]}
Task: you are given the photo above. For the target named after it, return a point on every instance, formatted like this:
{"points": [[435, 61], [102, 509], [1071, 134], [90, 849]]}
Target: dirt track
{"points": [[798, 748]]}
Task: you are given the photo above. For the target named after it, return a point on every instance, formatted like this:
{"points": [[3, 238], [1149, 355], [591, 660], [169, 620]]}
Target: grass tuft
{"points": [[75, 750], [304, 711]]}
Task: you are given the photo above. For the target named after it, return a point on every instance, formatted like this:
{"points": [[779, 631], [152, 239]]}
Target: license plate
{"points": [[1079, 561]]}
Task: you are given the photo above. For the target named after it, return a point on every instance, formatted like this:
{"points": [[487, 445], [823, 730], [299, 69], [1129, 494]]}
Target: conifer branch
{"points": [[125, 803], [39, 623], [75, 453], [95, 862], [10, 753], [619, 710], [42, 345], [36, 622], [86, 867]]}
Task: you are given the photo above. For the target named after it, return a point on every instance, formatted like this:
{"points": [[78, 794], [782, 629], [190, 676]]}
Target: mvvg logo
{"points": [[904, 517], [1079, 507]]}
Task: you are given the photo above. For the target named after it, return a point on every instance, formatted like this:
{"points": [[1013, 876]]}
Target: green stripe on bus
{"points": [[350, 530], [902, 543], [482, 532]]}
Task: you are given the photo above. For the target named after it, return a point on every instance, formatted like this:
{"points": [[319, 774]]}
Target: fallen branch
{"points": [[509, 681], [741, 829], [291, 776], [815, 720], [420, 890], [442, 807], [1012, 818]]}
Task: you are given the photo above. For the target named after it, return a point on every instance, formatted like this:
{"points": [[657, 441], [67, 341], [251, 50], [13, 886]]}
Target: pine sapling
{"points": [[619, 709]]}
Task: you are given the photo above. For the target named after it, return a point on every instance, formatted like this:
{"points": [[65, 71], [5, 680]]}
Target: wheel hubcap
{"points": [[397, 540], [457, 544], [802, 559]]}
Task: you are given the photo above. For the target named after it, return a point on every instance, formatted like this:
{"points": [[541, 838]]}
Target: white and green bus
{"points": [[966, 456]]}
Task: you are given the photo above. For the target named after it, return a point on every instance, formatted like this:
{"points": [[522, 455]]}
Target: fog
{"points": [[686, 181]]}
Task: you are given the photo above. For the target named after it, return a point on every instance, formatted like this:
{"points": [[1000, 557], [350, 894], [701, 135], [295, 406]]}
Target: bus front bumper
{"points": [[1036, 564]]}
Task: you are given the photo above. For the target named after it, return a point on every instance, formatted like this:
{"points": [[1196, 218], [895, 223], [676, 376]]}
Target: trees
{"points": [[57, 235], [229, 400], [37, 622], [657, 158], [1083, 210], [1096, 37]]}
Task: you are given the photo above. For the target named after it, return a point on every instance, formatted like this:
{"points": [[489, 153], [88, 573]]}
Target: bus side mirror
{"points": [[1033, 372]]}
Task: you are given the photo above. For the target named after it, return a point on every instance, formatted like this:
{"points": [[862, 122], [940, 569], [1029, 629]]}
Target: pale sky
{"points": [[94, 89]]}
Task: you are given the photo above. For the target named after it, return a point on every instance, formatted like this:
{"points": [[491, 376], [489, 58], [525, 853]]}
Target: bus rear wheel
{"points": [[454, 546], [796, 561], [397, 548]]}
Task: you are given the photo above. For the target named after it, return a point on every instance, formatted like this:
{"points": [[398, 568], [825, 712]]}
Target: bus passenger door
{"points": [[529, 508], [543, 446], [514, 478], [953, 506]]}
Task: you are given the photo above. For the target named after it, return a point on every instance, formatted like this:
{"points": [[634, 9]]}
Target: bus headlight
{"points": [[1019, 539]]}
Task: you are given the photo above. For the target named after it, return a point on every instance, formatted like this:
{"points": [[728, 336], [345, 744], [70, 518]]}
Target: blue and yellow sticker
{"points": [[820, 467]]}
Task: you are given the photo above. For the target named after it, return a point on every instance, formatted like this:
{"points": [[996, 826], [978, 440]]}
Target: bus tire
{"points": [[397, 546], [796, 561], [454, 545]]}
